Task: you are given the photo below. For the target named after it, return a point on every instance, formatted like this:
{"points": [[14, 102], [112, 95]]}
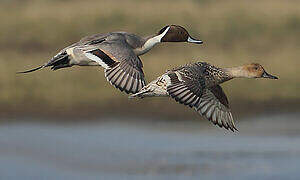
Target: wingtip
{"points": [[235, 129]]}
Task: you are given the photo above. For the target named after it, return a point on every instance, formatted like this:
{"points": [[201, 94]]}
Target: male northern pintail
{"points": [[117, 53], [197, 85]]}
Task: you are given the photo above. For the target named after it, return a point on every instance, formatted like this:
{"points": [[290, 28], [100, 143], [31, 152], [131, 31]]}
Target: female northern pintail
{"points": [[197, 85], [117, 53]]}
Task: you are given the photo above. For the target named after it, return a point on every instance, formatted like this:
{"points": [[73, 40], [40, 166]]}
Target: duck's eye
{"points": [[256, 68]]}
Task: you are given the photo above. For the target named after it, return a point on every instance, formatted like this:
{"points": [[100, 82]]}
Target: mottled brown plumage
{"points": [[197, 86]]}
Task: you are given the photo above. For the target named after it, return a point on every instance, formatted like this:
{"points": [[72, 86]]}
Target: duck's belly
{"points": [[158, 87], [77, 57]]}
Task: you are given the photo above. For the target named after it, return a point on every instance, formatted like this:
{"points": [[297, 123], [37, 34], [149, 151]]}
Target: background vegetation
{"points": [[235, 32]]}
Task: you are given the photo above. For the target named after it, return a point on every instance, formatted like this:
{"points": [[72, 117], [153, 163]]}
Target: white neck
{"points": [[151, 42]]}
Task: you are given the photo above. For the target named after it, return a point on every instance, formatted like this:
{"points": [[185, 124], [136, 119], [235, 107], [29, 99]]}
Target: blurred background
{"points": [[72, 123]]}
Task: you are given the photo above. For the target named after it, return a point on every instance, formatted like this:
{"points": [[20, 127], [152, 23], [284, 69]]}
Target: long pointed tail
{"points": [[31, 70], [59, 61]]}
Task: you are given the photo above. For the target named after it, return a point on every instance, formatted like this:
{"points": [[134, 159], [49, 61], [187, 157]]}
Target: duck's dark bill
{"points": [[267, 75], [192, 40]]}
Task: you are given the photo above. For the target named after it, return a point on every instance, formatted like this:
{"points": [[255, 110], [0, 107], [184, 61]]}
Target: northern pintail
{"points": [[197, 86], [117, 53]]}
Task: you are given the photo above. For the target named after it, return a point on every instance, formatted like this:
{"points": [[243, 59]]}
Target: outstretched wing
{"points": [[186, 86], [214, 106], [93, 39], [123, 68]]}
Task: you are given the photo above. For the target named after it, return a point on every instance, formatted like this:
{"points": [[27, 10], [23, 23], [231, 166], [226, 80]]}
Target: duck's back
{"points": [[202, 71]]}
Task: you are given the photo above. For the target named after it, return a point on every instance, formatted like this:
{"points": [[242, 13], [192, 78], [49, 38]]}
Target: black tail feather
{"points": [[31, 70], [55, 67], [58, 62], [61, 62]]}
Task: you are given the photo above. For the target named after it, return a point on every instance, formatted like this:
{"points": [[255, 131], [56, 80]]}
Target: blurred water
{"points": [[265, 148]]}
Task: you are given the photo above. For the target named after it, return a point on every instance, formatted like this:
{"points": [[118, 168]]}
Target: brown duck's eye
{"points": [[256, 68]]}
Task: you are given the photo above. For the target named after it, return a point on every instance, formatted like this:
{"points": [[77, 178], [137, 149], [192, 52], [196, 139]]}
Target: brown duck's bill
{"points": [[267, 75], [192, 40]]}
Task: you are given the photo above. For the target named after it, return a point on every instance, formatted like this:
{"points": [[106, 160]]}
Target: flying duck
{"points": [[118, 53], [197, 86]]}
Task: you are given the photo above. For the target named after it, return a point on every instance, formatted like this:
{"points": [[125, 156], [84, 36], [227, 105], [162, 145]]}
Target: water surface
{"points": [[265, 148]]}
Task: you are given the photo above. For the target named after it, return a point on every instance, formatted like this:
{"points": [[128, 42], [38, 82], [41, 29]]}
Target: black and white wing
{"points": [[214, 106], [186, 85], [123, 68]]}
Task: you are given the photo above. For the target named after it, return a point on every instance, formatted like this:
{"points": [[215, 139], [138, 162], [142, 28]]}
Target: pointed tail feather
{"points": [[59, 61], [31, 70]]}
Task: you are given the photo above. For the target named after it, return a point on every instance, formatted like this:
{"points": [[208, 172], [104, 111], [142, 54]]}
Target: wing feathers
{"points": [[188, 86], [211, 108], [210, 103], [101, 58], [125, 79]]}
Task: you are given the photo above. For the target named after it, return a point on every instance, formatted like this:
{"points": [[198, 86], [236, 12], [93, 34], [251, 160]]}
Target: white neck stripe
{"points": [[162, 34], [154, 40]]}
